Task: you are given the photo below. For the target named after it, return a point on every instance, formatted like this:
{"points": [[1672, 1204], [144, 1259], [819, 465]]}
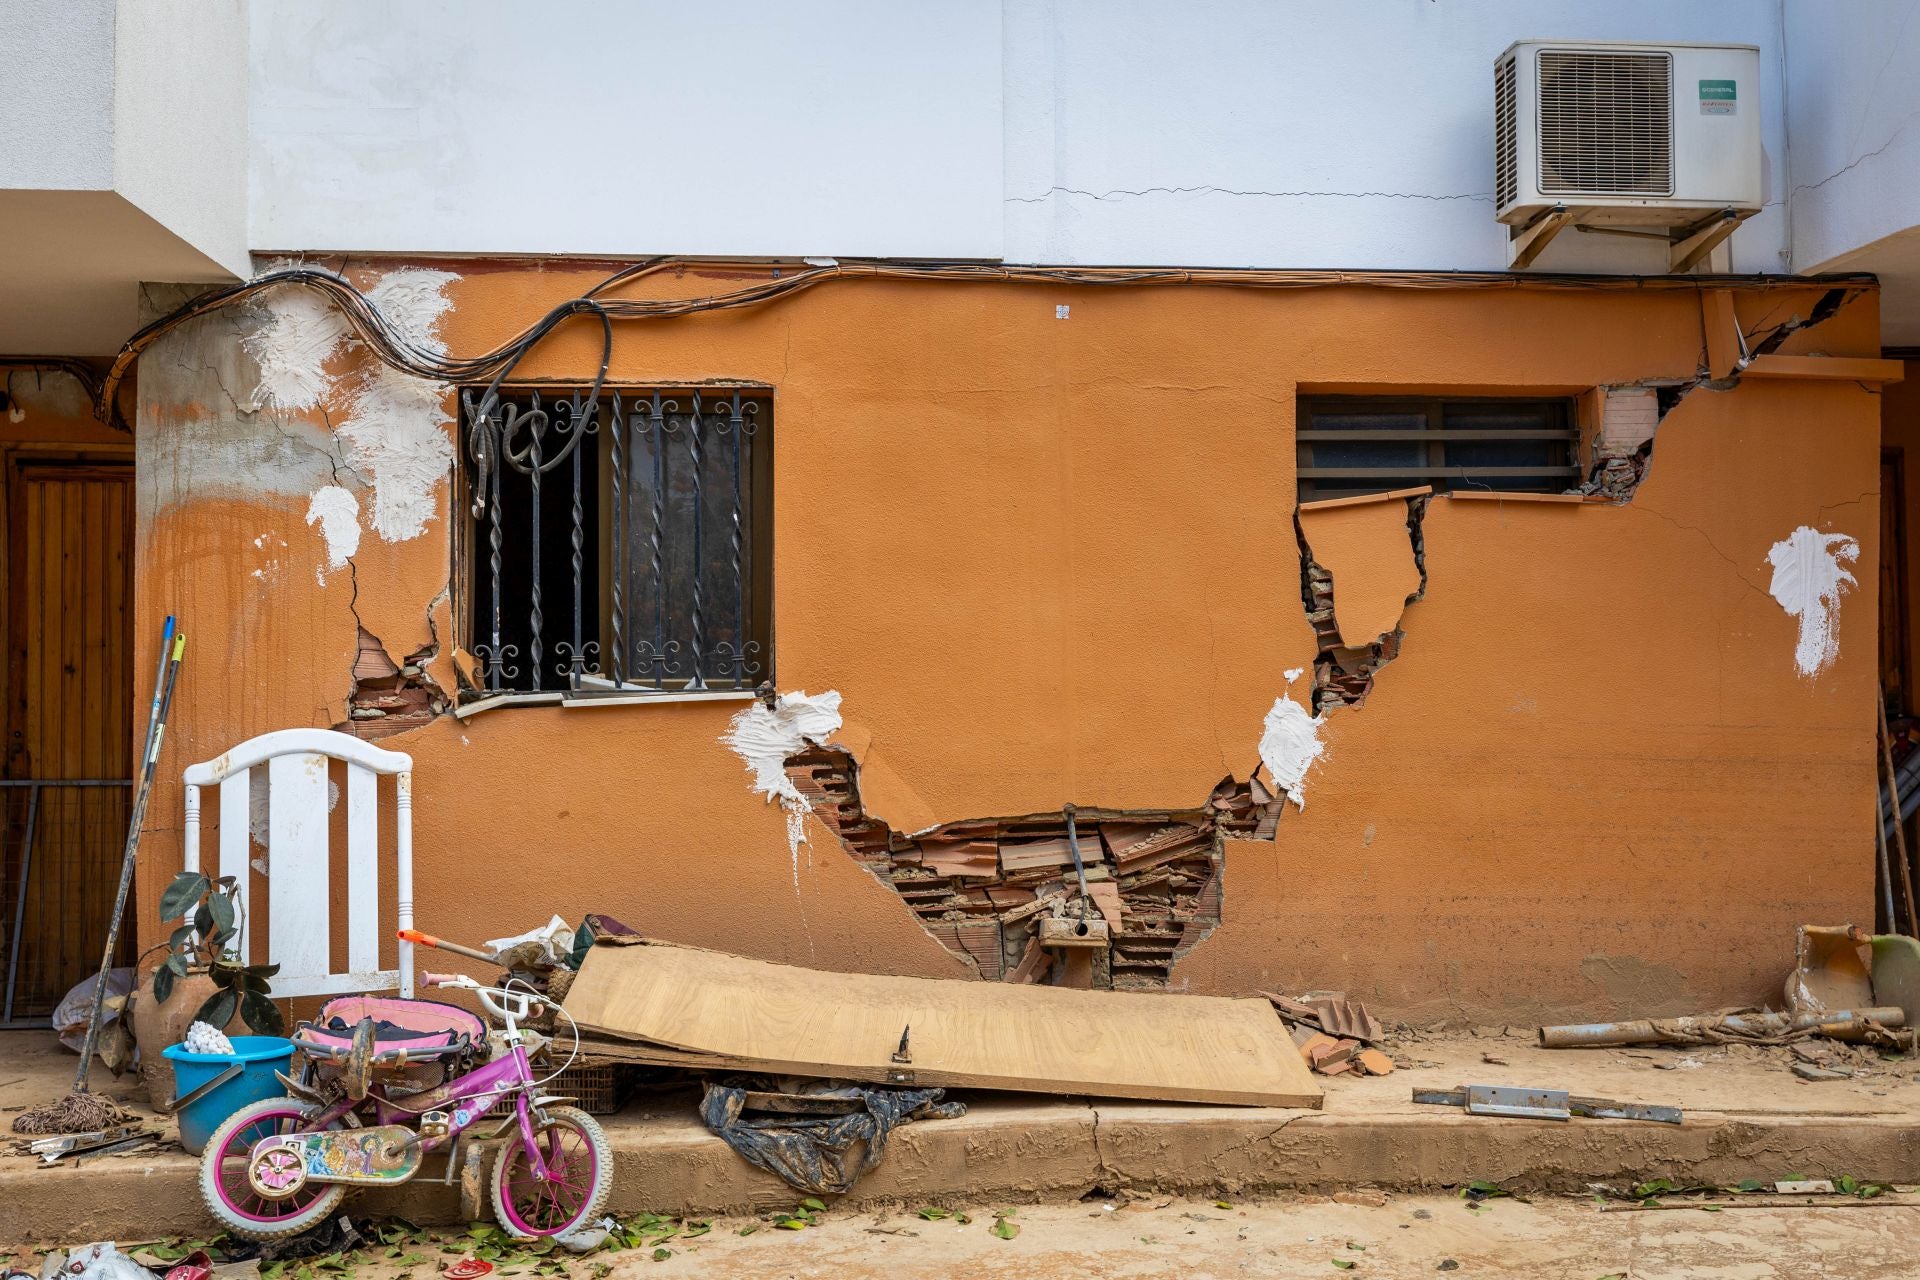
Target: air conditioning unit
{"points": [[1606, 134]]}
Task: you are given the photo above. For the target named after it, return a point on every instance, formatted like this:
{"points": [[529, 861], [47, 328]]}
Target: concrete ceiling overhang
{"points": [[71, 265]]}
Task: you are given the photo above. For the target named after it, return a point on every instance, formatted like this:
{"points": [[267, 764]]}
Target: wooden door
{"points": [[69, 749]]}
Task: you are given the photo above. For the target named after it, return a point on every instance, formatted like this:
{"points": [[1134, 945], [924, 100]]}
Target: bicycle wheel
{"points": [[229, 1194], [580, 1177]]}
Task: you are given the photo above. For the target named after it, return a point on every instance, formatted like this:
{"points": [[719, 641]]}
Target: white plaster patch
{"points": [[337, 512], [1809, 577], [397, 429], [764, 737], [1293, 673], [302, 332], [397, 436], [1290, 745]]}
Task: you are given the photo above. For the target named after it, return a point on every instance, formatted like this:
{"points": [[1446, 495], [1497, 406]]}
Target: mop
{"points": [[81, 1111]]}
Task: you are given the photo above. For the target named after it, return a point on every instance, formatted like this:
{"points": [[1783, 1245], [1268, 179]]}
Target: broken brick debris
{"points": [[389, 697], [1373, 1062], [1328, 1011], [1153, 876]]}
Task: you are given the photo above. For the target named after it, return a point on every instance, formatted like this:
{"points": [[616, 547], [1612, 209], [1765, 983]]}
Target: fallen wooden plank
{"points": [[735, 1013]]}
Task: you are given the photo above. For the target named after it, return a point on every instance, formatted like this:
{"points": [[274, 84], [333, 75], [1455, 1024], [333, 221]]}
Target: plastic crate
{"points": [[599, 1089]]}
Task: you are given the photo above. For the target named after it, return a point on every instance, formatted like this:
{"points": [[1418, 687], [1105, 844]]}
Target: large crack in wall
{"points": [[981, 886], [1343, 673]]}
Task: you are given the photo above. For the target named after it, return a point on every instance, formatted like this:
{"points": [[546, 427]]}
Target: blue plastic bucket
{"points": [[259, 1057]]}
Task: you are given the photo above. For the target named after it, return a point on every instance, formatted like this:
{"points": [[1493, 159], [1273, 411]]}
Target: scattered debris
{"points": [[1369, 1197], [110, 1141], [984, 886], [1807, 1071], [1542, 1104], [1877, 1025]]}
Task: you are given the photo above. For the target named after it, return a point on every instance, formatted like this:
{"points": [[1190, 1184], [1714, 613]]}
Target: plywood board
{"points": [[758, 1016]]}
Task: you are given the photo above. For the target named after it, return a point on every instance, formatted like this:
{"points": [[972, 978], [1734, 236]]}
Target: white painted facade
{"points": [[1853, 106], [1275, 133]]}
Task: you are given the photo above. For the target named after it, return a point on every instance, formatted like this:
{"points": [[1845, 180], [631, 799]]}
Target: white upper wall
{"points": [[56, 95], [1309, 133], [758, 127], [180, 120], [1854, 103], [1293, 133]]}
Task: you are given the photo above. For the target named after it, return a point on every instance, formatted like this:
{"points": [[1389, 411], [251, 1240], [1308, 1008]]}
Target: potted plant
{"points": [[211, 909]]}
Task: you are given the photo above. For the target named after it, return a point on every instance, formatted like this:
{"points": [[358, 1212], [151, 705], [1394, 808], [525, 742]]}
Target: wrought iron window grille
{"points": [[617, 545]]}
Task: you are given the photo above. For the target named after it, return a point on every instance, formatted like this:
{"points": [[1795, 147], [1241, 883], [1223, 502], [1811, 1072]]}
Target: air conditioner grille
{"points": [[1506, 163], [1606, 123]]}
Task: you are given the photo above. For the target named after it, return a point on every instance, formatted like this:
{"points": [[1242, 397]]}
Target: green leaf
{"points": [[661, 1255], [178, 963], [262, 1014], [1221, 1204], [933, 1213], [202, 920], [692, 1229], [180, 937], [962, 1219], [1005, 1228], [1868, 1190], [1345, 1264], [225, 979], [749, 1229], [163, 987], [1752, 1184], [218, 1010], [791, 1224], [1643, 1190], [222, 907], [186, 889], [817, 1206], [1357, 1248], [1847, 1183]]}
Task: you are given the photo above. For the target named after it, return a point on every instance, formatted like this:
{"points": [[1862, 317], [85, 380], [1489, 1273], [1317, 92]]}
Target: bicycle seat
{"points": [[420, 1028]]}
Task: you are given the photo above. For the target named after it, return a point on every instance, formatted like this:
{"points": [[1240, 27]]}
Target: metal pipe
{"points": [[20, 903], [1840, 1025]]}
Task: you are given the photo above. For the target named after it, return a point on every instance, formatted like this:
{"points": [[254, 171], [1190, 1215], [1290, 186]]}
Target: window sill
{"points": [[1477, 495], [1391, 495], [608, 698]]}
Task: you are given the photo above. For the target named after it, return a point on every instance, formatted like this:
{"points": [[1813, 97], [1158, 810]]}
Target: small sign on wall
{"points": [[1718, 98]]}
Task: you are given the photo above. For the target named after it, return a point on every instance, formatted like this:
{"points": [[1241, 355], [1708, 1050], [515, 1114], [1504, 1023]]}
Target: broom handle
{"points": [[156, 730], [1899, 827]]}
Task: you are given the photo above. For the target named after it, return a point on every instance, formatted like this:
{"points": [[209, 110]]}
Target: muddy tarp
{"points": [[817, 1153]]}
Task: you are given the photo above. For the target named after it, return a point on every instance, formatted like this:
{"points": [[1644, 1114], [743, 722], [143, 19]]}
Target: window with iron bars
{"points": [[618, 545], [1350, 445]]}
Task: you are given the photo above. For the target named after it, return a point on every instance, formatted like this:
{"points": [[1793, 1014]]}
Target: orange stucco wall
{"points": [[1048, 560]]}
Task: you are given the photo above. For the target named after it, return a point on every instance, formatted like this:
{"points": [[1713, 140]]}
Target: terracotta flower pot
{"points": [[157, 1025]]}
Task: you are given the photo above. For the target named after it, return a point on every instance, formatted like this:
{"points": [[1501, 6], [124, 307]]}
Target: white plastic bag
{"points": [[76, 1007], [100, 1261]]}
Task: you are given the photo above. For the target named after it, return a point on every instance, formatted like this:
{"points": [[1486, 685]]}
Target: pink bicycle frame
{"points": [[467, 1099]]}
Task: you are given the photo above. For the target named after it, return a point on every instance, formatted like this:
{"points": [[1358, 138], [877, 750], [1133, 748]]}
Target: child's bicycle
{"points": [[395, 1080]]}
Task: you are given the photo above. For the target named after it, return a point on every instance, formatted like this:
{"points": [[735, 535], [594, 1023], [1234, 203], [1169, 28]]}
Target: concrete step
{"points": [[1015, 1150]]}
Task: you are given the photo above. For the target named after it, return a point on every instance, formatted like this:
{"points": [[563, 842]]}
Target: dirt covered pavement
{"points": [[1553, 1238]]}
